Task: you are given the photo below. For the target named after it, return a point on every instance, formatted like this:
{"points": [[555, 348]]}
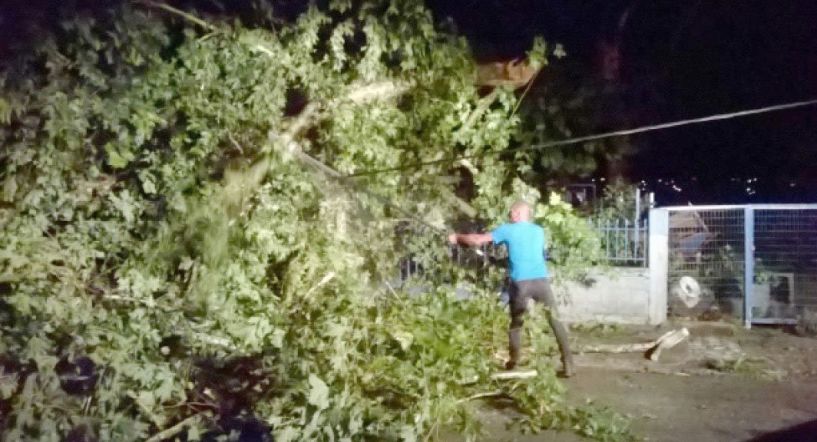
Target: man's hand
{"points": [[469, 239]]}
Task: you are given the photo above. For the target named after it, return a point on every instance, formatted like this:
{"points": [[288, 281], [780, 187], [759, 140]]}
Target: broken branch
{"points": [[172, 431], [187, 16], [481, 396], [653, 349], [505, 375], [328, 277]]}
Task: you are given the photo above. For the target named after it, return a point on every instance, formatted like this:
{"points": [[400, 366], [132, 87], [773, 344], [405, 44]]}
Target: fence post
{"points": [[748, 264], [628, 241], [635, 220], [645, 247], [658, 246]]}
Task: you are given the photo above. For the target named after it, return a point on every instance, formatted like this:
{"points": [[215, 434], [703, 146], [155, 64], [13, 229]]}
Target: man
{"points": [[529, 277]]}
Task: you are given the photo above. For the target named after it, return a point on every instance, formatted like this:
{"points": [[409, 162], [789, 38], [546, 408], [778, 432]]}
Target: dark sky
{"points": [[699, 57], [694, 57]]}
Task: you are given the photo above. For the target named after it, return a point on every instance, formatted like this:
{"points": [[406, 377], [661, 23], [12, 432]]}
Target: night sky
{"points": [[679, 59], [694, 58]]}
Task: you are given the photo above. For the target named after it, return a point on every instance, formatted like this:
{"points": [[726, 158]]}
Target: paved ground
{"points": [[723, 384]]}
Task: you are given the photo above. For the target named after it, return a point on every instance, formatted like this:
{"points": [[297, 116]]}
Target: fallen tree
{"points": [[182, 255]]}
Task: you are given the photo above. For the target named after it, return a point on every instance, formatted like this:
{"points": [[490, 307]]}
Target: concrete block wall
{"points": [[618, 295], [624, 295]]}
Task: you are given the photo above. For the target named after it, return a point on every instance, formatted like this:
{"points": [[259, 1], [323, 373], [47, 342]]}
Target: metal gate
{"points": [[716, 252]]}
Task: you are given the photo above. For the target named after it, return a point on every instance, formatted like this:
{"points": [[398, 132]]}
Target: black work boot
{"points": [[514, 341], [568, 368]]}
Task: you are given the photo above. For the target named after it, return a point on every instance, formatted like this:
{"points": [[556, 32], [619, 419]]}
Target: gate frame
{"points": [[659, 251]]}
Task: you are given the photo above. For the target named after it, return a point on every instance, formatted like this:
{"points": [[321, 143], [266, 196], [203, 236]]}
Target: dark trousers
{"points": [[539, 290]]}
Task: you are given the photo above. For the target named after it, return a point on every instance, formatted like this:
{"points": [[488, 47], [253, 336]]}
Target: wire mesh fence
{"points": [[715, 252], [624, 242], [706, 256], [785, 264]]}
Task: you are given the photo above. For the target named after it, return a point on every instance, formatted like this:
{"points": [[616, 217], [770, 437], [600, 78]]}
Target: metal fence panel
{"points": [[785, 264], [715, 252], [706, 262], [624, 242]]}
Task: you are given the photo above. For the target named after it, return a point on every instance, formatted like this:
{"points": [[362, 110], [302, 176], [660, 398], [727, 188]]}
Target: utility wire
{"points": [[577, 140]]}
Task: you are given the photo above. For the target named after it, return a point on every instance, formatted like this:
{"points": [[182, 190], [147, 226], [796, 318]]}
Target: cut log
{"points": [[653, 349], [623, 348], [668, 341], [617, 348]]}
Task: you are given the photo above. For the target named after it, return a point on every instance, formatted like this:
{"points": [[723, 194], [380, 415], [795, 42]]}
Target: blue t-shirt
{"points": [[526, 249]]}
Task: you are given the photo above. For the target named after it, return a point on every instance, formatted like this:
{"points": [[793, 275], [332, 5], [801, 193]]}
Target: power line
{"points": [[577, 140]]}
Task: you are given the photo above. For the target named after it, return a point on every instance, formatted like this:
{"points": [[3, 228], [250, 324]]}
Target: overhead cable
{"points": [[583, 139]]}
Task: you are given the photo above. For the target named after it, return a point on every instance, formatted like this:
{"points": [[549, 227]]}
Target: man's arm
{"points": [[470, 239]]}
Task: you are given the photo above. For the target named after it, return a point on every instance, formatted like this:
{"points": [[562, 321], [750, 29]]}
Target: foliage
{"points": [[163, 218], [573, 244], [618, 202], [565, 103]]}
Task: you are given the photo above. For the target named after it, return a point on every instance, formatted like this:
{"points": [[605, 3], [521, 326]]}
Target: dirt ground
{"points": [[724, 383]]}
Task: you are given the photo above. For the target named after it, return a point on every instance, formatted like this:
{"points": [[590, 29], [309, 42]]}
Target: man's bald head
{"points": [[520, 211]]}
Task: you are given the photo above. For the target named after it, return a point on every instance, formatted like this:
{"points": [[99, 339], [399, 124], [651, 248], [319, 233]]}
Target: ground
{"points": [[724, 383]]}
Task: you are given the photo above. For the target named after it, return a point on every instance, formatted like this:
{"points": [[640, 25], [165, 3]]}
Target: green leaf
{"points": [[9, 188], [116, 159], [318, 392]]}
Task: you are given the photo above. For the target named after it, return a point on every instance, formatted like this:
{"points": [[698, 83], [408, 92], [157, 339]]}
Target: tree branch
{"points": [[172, 431], [653, 349], [187, 16], [147, 411], [481, 396], [483, 105], [381, 90], [214, 340], [328, 277], [505, 375]]}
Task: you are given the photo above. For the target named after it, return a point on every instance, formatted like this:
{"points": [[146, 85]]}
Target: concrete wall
{"points": [[619, 295], [624, 295]]}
